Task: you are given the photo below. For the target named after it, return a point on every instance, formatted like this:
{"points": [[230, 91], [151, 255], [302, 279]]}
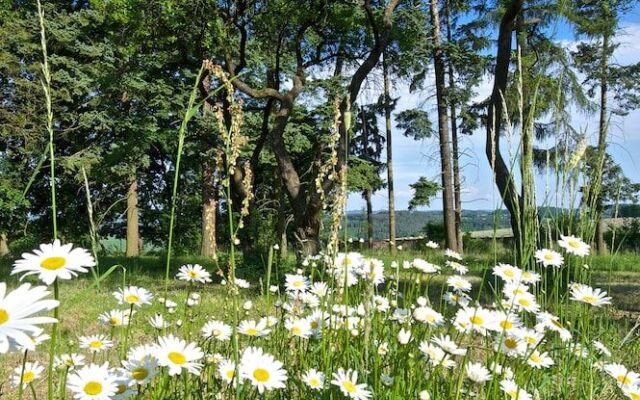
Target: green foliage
{"points": [[424, 190], [415, 124]]}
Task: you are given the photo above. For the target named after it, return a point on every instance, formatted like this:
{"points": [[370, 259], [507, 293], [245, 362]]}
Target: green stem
{"points": [[191, 110], [24, 363], [54, 338]]}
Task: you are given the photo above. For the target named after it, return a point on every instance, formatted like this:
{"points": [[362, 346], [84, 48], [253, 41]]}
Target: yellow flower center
{"points": [[506, 325], [261, 375], [53, 263], [297, 284], [131, 298], [139, 373], [548, 257], [93, 388], [349, 386], [121, 388], [314, 382], [251, 331], [314, 324], [476, 320], [573, 243], [217, 332], [177, 358], [509, 273], [510, 343], [95, 344], [524, 302], [114, 321], [231, 373], [192, 274], [296, 330], [624, 380], [590, 299], [4, 316], [28, 377], [633, 396], [535, 358]]}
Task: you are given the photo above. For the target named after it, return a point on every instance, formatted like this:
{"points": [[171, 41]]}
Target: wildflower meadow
{"points": [[546, 312]]}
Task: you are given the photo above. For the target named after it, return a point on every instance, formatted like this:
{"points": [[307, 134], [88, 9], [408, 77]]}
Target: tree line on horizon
{"points": [[122, 72]]}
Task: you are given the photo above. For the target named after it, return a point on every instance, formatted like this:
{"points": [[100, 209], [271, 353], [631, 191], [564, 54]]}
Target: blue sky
{"points": [[414, 159]]}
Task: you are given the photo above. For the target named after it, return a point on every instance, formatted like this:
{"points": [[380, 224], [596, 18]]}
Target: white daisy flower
{"points": [[95, 343], [404, 336], [549, 258], [227, 371], [448, 345], [114, 318], [242, 283], [139, 372], [17, 309], [296, 283], [314, 379], [586, 294], [457, 267], [262, 370], [158, 322], [436, 356], [601, 348], [511, 389], [623, 376], [133, 295], [474, 319], [217, 330], [508, 272], [477, 373], [574, 245], [320, 289], [539, 360], [299, 327], [27, 375], [347, 382], [452, 254], [428, 315], [253, 328], [176, 354], [432, 245], [193, 273], [70, 361], [93, 382], [511, 346], [459, 283], [54, 261], [424, 266], [141, 352]]}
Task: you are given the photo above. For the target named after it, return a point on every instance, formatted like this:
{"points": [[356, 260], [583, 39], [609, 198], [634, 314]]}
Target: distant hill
{"points": [[412, 223]]}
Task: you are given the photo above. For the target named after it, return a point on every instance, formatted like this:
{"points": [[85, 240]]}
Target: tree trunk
{"points": [[390, 188], [528, 210], [209, 210], [308, 235], [4, 244], [455, 155], [601, 245], [443, 132], [133, 233], [502, 175], [367, 196], [281, 224]]}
